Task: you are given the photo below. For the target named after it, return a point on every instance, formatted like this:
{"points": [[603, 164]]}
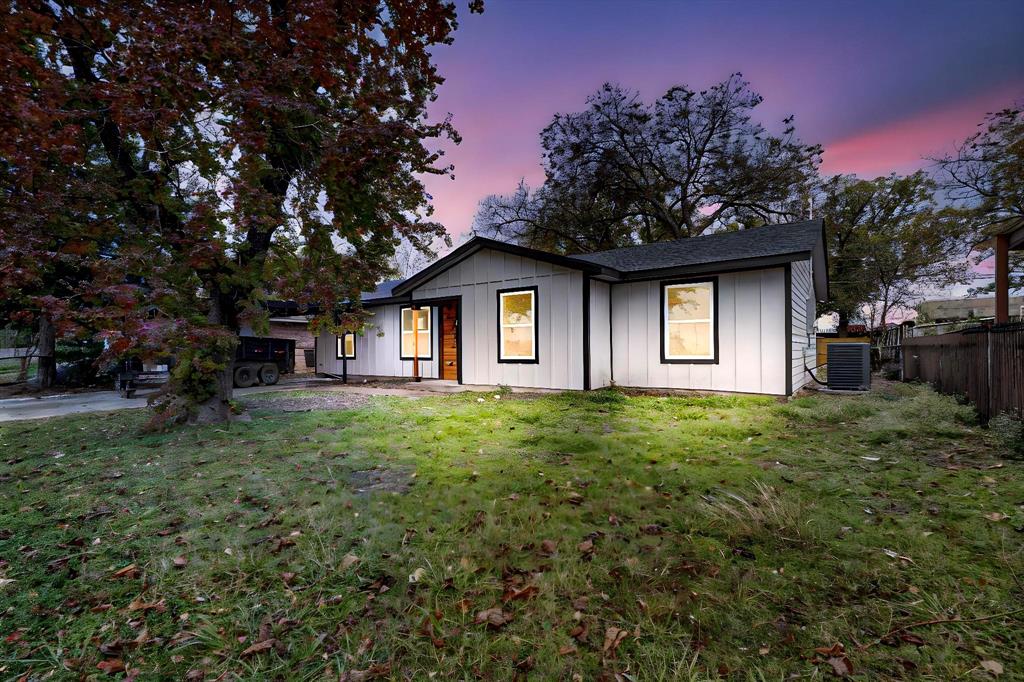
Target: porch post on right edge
{"points": [[1002, 278]]}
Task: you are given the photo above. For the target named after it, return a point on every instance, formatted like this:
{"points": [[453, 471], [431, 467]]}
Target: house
{"points": [[958, 309], [732, 311]]}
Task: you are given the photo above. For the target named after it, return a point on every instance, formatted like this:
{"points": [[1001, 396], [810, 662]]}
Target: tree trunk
{"points": [[47, 346], [843, 326], [218, 407]]}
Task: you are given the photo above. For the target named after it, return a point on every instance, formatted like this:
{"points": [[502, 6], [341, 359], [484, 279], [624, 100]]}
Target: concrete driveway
{"points": [[13, 409]]}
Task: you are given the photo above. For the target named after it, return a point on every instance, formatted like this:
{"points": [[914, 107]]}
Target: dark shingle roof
{"points": [[760, 242]]}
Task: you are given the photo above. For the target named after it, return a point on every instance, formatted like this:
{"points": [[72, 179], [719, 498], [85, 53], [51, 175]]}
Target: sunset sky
{"points": [[880, 85]]}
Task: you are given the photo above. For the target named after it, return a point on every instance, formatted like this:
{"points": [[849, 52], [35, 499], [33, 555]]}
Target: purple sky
{"points": [[880, 85]]}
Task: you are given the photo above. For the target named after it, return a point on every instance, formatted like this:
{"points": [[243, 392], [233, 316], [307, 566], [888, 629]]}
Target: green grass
{"points": [[729, 537]]}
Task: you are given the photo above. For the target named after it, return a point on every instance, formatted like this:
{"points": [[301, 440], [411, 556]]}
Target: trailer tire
{"points": [[269, 374], [245, 376]]}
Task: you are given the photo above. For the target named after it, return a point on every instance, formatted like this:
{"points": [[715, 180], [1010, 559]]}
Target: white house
{"points": [[732, 311]]}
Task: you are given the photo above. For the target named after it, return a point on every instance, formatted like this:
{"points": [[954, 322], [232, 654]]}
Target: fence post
{"points": [[988, 367]]}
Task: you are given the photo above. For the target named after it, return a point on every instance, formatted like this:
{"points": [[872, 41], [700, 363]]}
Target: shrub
{"points": [[1008, 433]]}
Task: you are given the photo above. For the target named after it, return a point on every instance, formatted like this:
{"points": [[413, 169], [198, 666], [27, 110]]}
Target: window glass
{"points": [[420, 321], [689, 322], [517, 316]]}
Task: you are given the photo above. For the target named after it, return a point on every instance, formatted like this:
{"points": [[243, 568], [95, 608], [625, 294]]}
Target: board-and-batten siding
{"points": [[377, 348], [803, 308], [477, 280], [600, 335], [752, 337]]}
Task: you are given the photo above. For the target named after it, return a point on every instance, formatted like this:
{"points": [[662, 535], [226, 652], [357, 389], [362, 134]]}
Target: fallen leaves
{"points": [[259, 647], [128, 572], [996, 516], [373, 672], [348, 561], [513, 594], [586, 548], [613, 637], [836, 657], [180, 561], [994, 667], [494, 618], [111, 666], [138, 605]]}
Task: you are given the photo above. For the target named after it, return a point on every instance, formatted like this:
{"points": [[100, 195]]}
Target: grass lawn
{"points": [[582, 536]]}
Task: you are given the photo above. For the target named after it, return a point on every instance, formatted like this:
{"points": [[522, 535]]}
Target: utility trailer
{"points": [[263, 360], [257, 360]]}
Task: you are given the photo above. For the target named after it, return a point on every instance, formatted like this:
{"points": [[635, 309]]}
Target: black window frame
{"points": [[535, 360], [662, 300], [430, 344], [338, 344]]}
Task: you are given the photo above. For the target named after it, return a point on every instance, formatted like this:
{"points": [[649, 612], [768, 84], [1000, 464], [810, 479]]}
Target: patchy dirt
{"points": [[334, 400], [380, 479]]}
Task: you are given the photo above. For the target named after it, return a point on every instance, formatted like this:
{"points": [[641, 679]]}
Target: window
{"points": [[517, 325], [347, 346], [688, 324], [416, 333]]}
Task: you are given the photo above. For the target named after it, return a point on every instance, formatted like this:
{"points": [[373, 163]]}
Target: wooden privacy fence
{"points": [[985, 364]]}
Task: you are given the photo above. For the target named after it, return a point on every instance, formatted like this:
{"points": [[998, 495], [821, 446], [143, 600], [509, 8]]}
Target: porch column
{"points": [[415, 343], [1002, 278]]}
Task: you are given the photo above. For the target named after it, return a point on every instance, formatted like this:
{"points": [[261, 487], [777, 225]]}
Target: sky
{"points": [[881, 85]]}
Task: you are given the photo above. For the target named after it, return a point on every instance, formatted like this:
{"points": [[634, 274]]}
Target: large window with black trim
{"points": [[517, 325], [689, 321], [347, 346], [416, 334]]}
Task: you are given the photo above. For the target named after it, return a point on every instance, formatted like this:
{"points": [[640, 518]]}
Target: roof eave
{"points": [[479, 243], [733, 265]]}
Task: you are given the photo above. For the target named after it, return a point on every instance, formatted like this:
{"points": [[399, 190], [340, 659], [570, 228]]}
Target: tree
{"points": [[986, 174], [248, 148], [888, 239], [622, 171]]}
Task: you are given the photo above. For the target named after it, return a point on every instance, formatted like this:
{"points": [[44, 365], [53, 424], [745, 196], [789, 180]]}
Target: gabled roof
{"points": [[478, 243], [760, 242], [767, 246]]}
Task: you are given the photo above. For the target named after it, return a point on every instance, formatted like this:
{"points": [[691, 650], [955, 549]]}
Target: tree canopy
{"points": [[986, 175], [888, 239], [623, 171], [194, 157]]}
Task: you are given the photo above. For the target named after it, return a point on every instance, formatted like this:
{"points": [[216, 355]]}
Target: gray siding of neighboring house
{"points": [[752, 337], [477, 280], [803, 307], [600, 335], [377, 348]]}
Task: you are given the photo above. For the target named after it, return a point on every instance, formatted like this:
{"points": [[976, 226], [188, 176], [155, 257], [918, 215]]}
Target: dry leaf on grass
{"points": [[994, 667], [139, 605], [259, 647], [493, 618], [129, 571], [180, 561], [372, 673], [348, 561], [112, 666], [613, 637]]}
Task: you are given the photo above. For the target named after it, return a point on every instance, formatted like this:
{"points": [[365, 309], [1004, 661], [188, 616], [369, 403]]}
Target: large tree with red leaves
{"points": [[167, 166]]}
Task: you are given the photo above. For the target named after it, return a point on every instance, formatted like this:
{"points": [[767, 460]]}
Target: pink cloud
{"points": [[902, 146]]}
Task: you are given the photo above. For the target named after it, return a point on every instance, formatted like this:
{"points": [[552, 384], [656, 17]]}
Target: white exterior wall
{"points": [[803, 307], [477, 280], [377, 348], [600, 335], [752, 337]]}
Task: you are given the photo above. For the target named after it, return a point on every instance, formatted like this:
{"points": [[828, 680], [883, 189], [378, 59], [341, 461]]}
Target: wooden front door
{"points": [[450, 341]]}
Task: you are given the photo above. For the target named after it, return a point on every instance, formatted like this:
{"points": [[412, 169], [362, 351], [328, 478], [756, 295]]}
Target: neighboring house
{"points": [[957, 309], [295, 327], [731, 311]]}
